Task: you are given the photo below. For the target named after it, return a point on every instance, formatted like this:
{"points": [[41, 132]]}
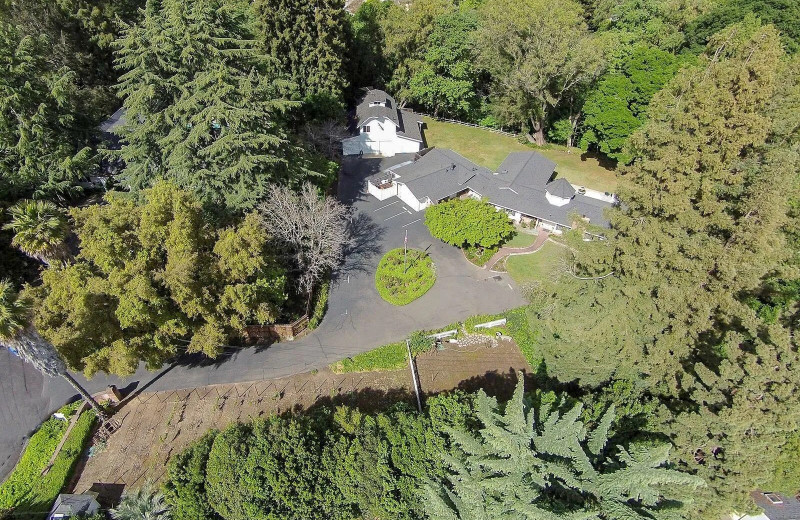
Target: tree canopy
{"points": [[153, 280], [202, 109], [461, 222]]}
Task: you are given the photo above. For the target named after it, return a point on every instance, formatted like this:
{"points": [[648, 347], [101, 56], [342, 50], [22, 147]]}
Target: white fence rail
{"points": [[491, 324], [462, 123]]}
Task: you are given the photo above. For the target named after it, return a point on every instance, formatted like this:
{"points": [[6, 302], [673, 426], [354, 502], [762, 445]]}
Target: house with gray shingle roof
{"points": [[71, 505], [382, 128], [774, 506], [523, 186]]}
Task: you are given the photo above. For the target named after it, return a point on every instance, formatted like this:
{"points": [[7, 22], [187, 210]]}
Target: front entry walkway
{"points": [[508, 251]]}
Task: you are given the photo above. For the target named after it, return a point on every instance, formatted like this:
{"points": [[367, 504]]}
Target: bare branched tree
{"points": [[313, 227], [326, 137]]}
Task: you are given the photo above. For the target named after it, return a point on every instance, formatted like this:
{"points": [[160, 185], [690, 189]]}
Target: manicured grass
{"points": [[387, 357], [400, 281], [521, 240], [489, 149], [535, 266], [26, 491]]}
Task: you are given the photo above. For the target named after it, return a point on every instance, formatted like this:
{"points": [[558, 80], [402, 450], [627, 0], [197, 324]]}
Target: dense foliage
{"points": [[26, 491], [468, 222], [402, 277], [155, 279], [698, 315], [346, 464]]}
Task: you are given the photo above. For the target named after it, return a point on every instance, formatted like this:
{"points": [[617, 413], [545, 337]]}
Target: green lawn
{"points": [[489, 149], [401, 279], [535, 266], [521, 240]]}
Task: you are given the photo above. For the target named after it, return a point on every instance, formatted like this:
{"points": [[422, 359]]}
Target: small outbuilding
{"points": [[69, 505]]}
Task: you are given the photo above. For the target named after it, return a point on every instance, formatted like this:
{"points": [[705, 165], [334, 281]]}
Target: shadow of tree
{"points": [[365, 243]]}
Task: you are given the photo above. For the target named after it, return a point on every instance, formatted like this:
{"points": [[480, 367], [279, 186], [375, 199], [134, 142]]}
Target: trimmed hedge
{"points": [[399, 283], [321, 305], [25, 490]]}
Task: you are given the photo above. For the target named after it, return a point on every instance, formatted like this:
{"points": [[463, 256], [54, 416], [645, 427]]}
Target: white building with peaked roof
{"points": [[383, 128]]}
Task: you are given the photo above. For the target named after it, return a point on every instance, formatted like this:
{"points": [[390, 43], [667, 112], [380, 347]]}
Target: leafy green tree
{"points": [[407, 30], [618, 104], [306, 45], [42, 128], [17, 332], [468, 222], [142, 504], [545, 463], [200, 109], [784, 14], [661, 23], [536, 56], [367, 64], [185, 487], [446, 81], [154, 279], [40, 230]]}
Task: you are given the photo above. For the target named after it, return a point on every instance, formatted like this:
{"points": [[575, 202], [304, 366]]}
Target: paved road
{"points": [[357, 319]]}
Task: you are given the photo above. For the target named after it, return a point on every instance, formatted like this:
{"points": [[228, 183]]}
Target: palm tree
{"points": [[17, 332], [142, 504], [40, 230]]}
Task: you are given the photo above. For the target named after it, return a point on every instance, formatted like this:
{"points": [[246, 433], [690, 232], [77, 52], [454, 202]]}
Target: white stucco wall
{"points": [[382, 139], [404, 194]]}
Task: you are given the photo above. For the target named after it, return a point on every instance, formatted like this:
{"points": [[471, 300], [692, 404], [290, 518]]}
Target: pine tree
{"points": [[545, 463], [200, 109], [43, 130]]}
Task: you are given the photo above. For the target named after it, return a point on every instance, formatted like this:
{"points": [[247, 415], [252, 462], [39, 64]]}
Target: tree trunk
{"points": [[538, 131], [101, 414], [308, 303]]}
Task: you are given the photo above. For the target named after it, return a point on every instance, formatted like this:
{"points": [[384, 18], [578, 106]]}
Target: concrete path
{"points": [[357, 319], [541, 238]]}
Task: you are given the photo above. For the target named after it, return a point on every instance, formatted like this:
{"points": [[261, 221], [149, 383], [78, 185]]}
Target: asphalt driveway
{"points": [[358, 319]]}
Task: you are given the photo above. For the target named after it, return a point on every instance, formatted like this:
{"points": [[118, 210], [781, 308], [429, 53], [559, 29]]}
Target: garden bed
{"points": [[400, 280], [26, 491]]}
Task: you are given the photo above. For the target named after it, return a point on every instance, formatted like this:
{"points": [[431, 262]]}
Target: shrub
{"points": [[25, 490], [185, 489], [462, 222], [400, 281], [320, 306]]}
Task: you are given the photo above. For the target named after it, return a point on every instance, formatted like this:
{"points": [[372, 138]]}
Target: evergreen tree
{"points": [[153, 280], [42, 127], [306, 45], [545, 463], [200, 110]]}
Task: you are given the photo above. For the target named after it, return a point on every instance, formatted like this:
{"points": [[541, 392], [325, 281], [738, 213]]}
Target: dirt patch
{"points": [[156, 425]]}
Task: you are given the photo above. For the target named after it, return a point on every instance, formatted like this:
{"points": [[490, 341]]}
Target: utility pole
{"points": [[414, 376]]}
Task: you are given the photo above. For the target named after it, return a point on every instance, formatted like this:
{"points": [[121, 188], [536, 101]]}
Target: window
{"points": [[365, 129], [774, 498], [377, 104]]}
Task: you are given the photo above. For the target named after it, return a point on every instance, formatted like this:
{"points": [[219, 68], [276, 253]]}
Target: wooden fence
{"points": [[276, 331], [457, 122]]}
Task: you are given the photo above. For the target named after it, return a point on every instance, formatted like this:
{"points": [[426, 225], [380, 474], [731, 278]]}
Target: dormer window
{"points": [[377, 103], [365, 129]]}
